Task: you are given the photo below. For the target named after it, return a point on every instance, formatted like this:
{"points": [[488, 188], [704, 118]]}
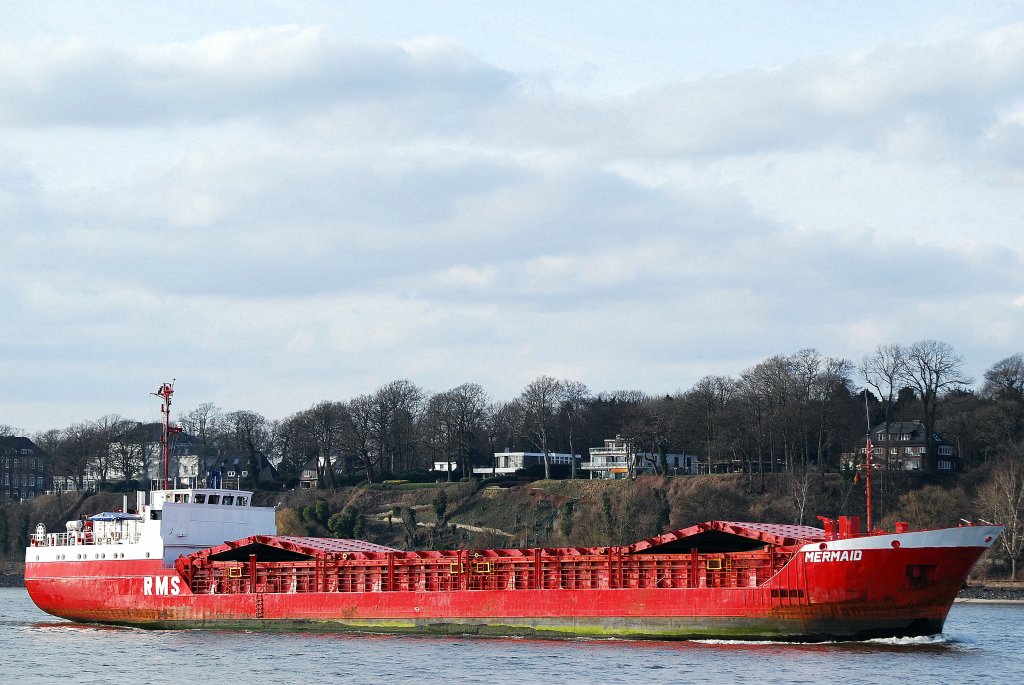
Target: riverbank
{"points": [[992, 591]]}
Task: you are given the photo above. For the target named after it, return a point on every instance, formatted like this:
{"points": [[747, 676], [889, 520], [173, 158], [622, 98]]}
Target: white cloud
{"points": [[283, 208]]}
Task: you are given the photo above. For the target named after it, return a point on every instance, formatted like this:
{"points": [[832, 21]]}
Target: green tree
{"points": [[321, 511], [440, 504], [345, 523]]}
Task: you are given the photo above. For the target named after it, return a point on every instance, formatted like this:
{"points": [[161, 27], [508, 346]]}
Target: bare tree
{"points": [[436, 431], [250, 434], [396, 407], [575, 402], [110, 446], [361, 433], [883, 371], [708, 401], [504, 428], [49, 443], [767, 390], [1002, 418], [1005, 378], [468, 410], [326, 422], [208, 424], [127, 452], [73, 454], [453, 424], [932, 368], [1003, 500], [293, 445], [540, 400]]}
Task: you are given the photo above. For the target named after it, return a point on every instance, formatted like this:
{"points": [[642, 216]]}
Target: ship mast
{"points": [[867, 461], [165, 392]]}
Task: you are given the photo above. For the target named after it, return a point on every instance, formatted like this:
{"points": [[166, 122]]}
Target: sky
{"points": [[277, 203]]}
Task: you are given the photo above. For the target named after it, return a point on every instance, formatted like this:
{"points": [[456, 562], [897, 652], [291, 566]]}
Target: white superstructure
{"points": [[173, 523]]}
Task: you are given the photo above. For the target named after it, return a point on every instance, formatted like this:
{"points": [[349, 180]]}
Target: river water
{"points": [[982, 643]]}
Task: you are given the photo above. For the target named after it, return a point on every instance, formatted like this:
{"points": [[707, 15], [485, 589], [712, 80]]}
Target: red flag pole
{"points": [[867, 464]]}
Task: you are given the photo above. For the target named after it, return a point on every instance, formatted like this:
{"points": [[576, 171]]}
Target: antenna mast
{"points": [[165, 392]]}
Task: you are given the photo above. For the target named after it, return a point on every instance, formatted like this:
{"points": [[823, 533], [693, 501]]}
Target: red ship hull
{"points": [[816, 588]]}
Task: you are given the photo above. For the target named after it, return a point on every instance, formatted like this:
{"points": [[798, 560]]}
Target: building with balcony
{"points": [[618, 458]]}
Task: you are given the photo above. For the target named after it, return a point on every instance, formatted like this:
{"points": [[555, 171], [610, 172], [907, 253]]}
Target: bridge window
{"points": [[199, 498], [228, 499], [214, 499]]}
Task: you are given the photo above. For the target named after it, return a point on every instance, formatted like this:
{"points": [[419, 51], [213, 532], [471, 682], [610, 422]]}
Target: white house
{"points": [[618, 455], [509, 462]]}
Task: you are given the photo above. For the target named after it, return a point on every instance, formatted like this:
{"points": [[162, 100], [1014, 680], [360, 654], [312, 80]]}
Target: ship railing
{"points": [[76, 538], [397, 572]]}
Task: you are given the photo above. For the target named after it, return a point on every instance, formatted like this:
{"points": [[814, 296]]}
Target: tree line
{"points": [[789, 413]]}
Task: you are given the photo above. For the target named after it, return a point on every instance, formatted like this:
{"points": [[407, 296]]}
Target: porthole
{"points": [[147, 555], [37, 557]]}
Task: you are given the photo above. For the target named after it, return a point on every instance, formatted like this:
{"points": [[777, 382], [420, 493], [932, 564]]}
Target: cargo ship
{"points": [[165, 564]]}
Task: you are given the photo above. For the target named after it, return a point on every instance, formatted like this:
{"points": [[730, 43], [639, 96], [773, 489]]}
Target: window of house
{"points": [[945, 466]]}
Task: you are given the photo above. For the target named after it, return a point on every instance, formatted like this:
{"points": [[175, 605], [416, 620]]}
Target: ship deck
{"points": [[710, 555]]}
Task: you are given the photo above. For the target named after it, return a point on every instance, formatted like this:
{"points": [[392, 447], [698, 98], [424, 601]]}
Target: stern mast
{"points": [[165, 392]]}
